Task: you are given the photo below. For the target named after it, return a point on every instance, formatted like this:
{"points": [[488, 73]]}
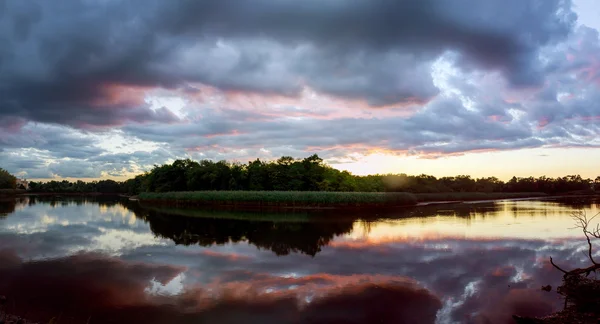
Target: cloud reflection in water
{"points": [[463, 268]]}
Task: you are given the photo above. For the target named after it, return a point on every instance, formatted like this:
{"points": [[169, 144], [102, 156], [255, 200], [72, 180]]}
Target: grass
{"points": [[318, 199], [297, 199], [298, 206], [470, 196]]}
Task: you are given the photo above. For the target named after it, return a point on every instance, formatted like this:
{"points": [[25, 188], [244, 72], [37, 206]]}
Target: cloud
{"points": [[91, 66], [111, 283], [39, 150], [477, 111], [76, 169], [60, 141], [96, 286], [272, 78], [481, 279], [444, 125]]}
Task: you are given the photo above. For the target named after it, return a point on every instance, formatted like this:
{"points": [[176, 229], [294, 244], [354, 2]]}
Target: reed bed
{"points": [[283, 198], [323, 198], [471, 196]]}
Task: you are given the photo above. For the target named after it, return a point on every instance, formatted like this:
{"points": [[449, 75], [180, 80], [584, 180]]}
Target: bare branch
{"points": [[590, 251], [583, 222], [557, 267]]}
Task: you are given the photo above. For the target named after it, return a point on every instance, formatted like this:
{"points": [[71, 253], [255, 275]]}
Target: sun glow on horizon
{"points": [[551, 162], [506, 220]]}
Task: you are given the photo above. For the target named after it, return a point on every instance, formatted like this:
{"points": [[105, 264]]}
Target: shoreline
{"points": [[403, 199], [548, 197], [303, 201], [23, 193], [283, 213]]}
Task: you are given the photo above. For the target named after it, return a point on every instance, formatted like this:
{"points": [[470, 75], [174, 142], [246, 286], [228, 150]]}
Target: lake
{"points": [[105, 260]]}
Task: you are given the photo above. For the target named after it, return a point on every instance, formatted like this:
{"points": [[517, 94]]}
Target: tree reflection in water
{"points": [[8, 205], [113, 289], [282, 238]]}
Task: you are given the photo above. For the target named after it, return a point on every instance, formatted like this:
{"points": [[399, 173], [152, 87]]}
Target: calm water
{"points": [[110, 261]]}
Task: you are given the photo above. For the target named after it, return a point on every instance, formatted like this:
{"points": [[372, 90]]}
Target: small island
{"points": [[306, 183]]}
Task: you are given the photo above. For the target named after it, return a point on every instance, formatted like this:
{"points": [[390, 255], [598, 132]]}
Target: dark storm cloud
{"points": [[489, 34], [80, 63], [62, 71]]}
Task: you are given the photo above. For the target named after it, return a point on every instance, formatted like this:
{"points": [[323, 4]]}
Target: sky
{"points": [[495, 259], [108, 88]]}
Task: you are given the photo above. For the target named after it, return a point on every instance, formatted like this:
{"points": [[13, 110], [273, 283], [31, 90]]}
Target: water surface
{"points": [[106, 260]]}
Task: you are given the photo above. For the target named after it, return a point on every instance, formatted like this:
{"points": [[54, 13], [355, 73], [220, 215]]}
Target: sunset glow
{"points": [[443, 101]]}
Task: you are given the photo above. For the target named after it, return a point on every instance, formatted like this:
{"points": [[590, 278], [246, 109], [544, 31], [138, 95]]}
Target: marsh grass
{"points": [[471, 196], [284, 198], [315, 199]]}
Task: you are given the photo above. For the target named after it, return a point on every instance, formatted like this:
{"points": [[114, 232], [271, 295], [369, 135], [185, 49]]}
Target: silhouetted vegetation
{"points": [[308, 174], [467, 196], [285, 198], [7, 206], [64, 186], [280, 237], [7, 180]]}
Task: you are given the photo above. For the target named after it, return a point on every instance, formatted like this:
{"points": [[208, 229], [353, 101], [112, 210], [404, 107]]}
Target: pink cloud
{"points": [[308, 104], [543, 122]]}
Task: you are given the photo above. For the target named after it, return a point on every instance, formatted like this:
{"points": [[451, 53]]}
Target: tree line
{"points": [[7, 180], [308, 174]]}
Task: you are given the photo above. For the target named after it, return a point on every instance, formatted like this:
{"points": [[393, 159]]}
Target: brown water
{"points": [[110, 261]]}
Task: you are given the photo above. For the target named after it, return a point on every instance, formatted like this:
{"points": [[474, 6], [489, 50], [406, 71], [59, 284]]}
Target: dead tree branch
{"points": [[583, 222], [557, 267]]}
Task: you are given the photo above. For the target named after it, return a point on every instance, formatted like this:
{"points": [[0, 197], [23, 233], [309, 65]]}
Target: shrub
{"points": [[7, 180]]}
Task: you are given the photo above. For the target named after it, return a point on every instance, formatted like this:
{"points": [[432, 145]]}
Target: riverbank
{"points": [[69, 194], [317, 199], [283, 199], [11, 192]]}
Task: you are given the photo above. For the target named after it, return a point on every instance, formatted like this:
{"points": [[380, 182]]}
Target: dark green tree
{"points": [[7, 180]]}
